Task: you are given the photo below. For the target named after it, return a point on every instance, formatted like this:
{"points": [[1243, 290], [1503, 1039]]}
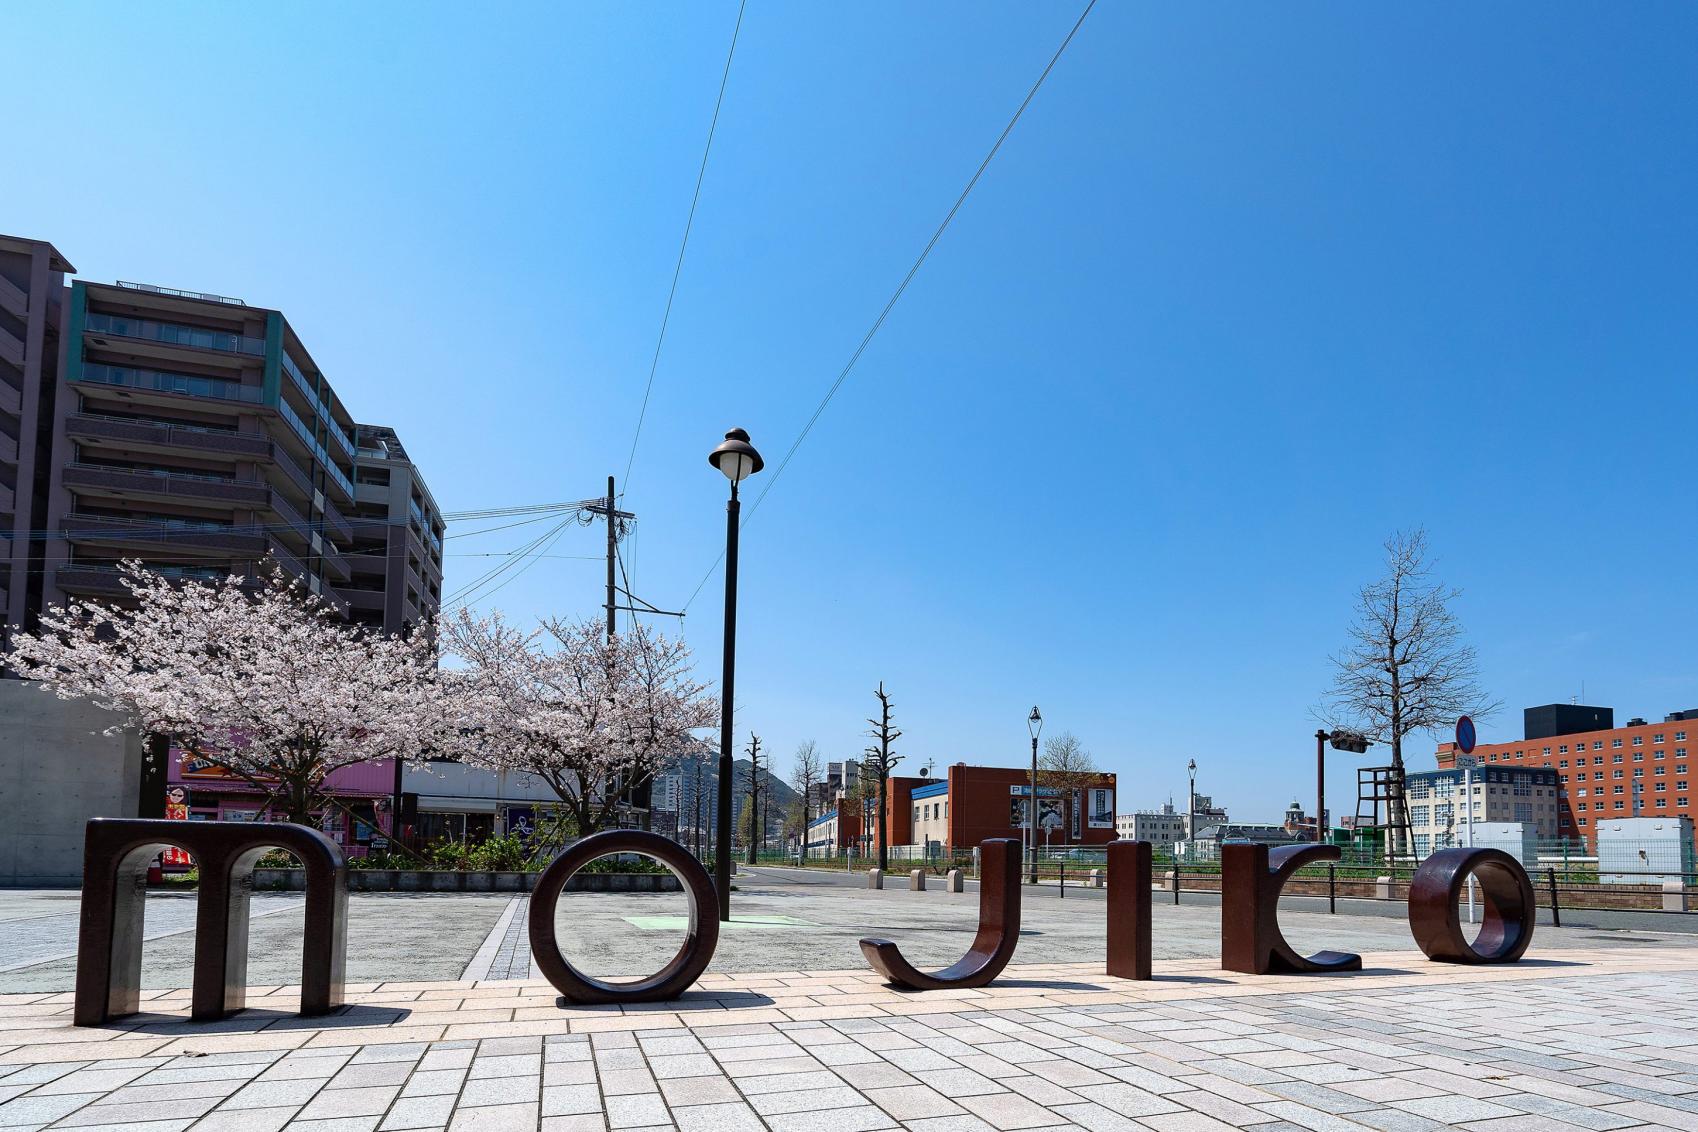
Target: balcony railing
{"points": [[175, 334], [157, 481], [320, 405], [160, 381], [167, 434], [224, 538], [307, 437], [156, 289]]}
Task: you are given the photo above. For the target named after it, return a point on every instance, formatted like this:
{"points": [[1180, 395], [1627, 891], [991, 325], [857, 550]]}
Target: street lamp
{"points": [[738, 459], [1191, 808], [1034, 724], [1352, 741]]}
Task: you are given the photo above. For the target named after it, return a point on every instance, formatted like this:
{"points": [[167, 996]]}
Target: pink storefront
{"points": [[359, 808]]}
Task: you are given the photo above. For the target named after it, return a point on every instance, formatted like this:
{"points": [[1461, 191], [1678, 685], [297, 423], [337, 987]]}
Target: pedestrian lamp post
{"points": [[1190, 808], [1034, 724], [738, 459], [1341, 740]]}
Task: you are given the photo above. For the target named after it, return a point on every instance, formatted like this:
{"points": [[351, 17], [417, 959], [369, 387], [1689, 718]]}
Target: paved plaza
{"points": [[1596, 1029]]}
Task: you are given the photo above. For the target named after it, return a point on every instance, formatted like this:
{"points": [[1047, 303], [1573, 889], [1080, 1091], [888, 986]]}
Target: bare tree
{"points": [[805, 772], [1405, 668], [881, 760], [1067, 768]]}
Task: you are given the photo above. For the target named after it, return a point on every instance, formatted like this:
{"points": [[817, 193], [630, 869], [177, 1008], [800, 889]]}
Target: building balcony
{"points": [[11, 400], [173, 334], [339, 528], [8, 449], [159, 434], [175, 384], [369, 601], [107, 582], [8, 501], [176, 534], [148, 483]]}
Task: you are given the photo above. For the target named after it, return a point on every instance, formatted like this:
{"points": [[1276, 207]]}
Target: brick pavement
{"points": [[1604, 1039]]}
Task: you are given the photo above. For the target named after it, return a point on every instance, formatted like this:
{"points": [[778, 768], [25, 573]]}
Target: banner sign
{"points": [[1099, 807]]}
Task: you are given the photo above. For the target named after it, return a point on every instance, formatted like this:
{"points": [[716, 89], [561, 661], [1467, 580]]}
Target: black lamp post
{"points": [[1341, 740], [738, 459], [1191, 808], [1034, 724]]}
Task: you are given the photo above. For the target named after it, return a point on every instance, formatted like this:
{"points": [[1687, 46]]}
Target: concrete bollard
{"points": [[1166, 880], [1382, 888], [1095, 879], [952, 883], [875, 878], [916, 880], [1674, 896]]}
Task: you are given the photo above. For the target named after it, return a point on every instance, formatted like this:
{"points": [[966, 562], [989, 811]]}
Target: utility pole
{"points": [[755, 831]]}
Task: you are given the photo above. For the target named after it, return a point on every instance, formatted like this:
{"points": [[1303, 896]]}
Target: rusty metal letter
{"points": [[1250, 940], [1509, 910], [670, 981], [116, 854], [1129, 909], [993, 946]]}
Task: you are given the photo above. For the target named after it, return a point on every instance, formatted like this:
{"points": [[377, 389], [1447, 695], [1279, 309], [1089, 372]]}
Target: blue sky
{"points": [[1248, 289]]}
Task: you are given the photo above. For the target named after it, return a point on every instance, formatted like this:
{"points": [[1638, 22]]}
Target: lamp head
{"points": [[1034, 722], [736, 457]]}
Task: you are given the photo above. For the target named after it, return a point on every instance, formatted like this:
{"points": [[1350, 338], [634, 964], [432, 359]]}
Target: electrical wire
{"points": [[522, 565], [678, 268], [465, 594], [901, 288]]}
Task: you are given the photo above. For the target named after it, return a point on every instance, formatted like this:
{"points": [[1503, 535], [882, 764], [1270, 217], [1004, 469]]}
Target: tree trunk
{"points": [[883, 841]]}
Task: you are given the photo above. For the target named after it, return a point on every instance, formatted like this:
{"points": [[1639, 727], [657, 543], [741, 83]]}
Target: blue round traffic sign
{"points": [[1465, 735]]}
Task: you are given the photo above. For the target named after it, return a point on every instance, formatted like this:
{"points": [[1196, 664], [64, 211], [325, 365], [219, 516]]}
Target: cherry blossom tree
{"points": [[589, 716], [271, 685]]}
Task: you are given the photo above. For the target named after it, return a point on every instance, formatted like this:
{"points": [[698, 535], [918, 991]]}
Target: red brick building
{"points": [[1604, 772], [974, 803]]}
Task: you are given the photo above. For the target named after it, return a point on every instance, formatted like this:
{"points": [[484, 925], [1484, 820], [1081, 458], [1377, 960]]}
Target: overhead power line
{"points": [[678, 268], [901, 288]]}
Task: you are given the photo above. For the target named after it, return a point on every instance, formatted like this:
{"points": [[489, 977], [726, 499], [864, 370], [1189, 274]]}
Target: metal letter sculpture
{"points": [[1508, 898], [1129, 909], [1250, 939], [116, 855], [993, 946], [670, 981]]}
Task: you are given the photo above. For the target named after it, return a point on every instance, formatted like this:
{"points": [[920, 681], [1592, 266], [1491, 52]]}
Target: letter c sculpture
{"points": [[993, 946], [1252, 878], [670, 981]]}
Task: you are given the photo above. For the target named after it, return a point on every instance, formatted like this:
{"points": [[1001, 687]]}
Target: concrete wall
{"points": [[56, 771]]}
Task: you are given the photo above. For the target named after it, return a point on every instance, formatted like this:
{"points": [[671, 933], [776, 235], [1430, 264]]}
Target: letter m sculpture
{"points": [[116, 855]]}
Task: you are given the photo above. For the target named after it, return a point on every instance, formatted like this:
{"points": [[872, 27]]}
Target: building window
{"points": [[1443, 814], [1418, 815], [1563, 748], [1656, 738], [1639, 740], [1615, 774], [1681, 785], [1423, 844], [1621, 805], [1680, 736], [1580, 793], [1581, 805], [1660, 787], [1660, 770], [1547, 752], [1662, 801], [1680, 752], [1638, 756], [1681, 802], [1598, 760], [1563, 763], [1615, 790], [1615, 758], [1597, 744], [1615, 742]]}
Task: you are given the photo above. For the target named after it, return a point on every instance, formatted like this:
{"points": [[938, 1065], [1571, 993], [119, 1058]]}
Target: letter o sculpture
{"points": [[1509, 909], [670, 981]]}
